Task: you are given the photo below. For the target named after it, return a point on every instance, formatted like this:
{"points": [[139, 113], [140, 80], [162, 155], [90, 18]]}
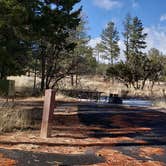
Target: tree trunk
{"points": [[112, 63], [153, 82], [72, 80], [3, 75], [47, 82], [76, 83], [143, 84], [43, 65], [35, 75]]}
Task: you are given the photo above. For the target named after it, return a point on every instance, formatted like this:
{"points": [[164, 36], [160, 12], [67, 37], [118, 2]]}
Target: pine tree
{"points": [[134, 40], [45, 26], [137, 44], [137, 37], [14, 40], [109, 44], [126, 34], [56, 21], [83, 60]]}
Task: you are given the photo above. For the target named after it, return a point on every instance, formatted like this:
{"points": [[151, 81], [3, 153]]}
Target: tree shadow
{"points": [[143, 127], [145, 124], [49, 159], [114, 121]]}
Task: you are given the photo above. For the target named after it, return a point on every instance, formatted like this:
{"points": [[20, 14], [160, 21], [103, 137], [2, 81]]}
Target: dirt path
{"points": [[103, 135]]}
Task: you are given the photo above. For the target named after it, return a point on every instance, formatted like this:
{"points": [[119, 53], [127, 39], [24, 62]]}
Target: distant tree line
{"points": [[138, 66]]}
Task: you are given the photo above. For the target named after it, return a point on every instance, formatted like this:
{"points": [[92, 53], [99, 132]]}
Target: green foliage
{"points": [[157, 65], [109, 44], [13, 42], [86, 64], [137, 37], [126, 34], [35, 35], [135, 56], [121, 71], [102, 69], [138, 67], [136, 60], [152, 68], [83, 61], [51, 45], [7, 88]]}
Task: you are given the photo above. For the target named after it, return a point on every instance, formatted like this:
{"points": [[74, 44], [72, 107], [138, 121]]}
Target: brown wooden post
{"points": [[49, 104]]}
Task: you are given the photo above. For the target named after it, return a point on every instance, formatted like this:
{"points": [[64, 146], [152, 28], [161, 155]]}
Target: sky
{"points": [[151, 12]]}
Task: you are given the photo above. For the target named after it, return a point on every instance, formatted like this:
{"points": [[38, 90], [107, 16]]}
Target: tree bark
{"points": [[35, 75], [76, 79], [43, 66], [72, 80]]}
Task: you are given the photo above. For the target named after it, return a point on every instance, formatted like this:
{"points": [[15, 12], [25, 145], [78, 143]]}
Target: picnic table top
{"points": [[84, 90]]}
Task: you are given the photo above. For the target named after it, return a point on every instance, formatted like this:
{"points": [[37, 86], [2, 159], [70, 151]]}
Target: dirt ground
{"points": [[91, 134]]}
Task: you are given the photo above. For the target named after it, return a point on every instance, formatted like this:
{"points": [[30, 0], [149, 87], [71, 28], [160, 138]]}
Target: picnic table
{"points": [[83, 94]]}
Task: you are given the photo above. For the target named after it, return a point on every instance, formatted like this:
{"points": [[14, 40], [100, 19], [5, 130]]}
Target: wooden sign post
{"points": [[49, 104]]}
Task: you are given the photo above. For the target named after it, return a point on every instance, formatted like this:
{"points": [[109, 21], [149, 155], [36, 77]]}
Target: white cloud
{"points": [[163, 17], [107, 4], [135, 3], [93, 42], [156, 38]]}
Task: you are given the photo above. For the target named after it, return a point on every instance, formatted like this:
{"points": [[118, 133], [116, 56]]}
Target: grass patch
{"points": [[160, 103], [19, 118]]}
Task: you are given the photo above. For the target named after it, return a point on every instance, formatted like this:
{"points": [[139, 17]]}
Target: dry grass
{"points": [[27, 115], [98, 83], [18, 118], [11, 118], [159, 103], [25, 83]]}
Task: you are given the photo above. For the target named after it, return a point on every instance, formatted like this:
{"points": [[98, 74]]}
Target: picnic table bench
{"points": [[83, 94]]}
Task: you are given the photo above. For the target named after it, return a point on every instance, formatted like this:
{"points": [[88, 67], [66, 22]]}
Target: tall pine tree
{"points": [[15, 25], [135, 44], [126, 34], [56, 21], [109, 44]]}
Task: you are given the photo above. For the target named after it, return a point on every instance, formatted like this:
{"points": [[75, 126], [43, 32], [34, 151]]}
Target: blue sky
{"points": [[151, 12]]}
